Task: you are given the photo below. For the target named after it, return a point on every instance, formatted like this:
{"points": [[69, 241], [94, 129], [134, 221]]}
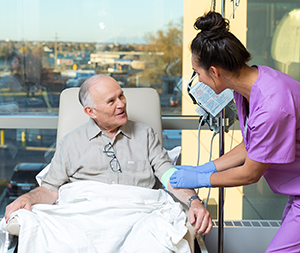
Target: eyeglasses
{"points": [[114, 163], [189, 86]]}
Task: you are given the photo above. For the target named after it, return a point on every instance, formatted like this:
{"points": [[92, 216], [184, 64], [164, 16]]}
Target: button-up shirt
{"points": [[79, 156]]}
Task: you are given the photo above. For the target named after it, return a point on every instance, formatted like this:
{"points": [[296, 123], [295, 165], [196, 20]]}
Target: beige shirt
{"points": [[79, 156]]}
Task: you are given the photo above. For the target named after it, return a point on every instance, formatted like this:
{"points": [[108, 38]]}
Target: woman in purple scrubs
{"points": [[268, 104]]}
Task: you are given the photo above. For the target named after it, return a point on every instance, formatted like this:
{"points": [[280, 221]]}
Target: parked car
{"points": [[175, 99], [171, 138], [23, 179]]}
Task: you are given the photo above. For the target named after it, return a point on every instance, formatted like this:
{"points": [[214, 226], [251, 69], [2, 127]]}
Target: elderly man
{"points": [[110, 149]]}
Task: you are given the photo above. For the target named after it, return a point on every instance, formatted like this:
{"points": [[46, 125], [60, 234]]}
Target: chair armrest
{"points": [[190, 236], [13, 227]]}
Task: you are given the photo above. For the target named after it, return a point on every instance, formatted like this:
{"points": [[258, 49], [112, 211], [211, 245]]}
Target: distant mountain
{"points": [[127, 40]]}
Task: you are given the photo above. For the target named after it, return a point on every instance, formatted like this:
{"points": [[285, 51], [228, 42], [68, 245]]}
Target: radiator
{"points": [[243, 236]]}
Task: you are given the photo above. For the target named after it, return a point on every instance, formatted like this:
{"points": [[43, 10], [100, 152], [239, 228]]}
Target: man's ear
{"points": [[214, 71], [89, 111]]}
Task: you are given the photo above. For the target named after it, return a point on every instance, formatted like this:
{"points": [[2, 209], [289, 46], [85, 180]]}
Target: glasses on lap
{"points": [[114, 163]]}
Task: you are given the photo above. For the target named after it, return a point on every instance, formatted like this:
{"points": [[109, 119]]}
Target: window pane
{"points": [[275, 44], [48, 46], [23, 153], [279, 32]]}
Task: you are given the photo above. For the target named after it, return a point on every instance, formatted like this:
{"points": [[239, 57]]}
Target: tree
{"points": [[164, 54], [4, 51]]}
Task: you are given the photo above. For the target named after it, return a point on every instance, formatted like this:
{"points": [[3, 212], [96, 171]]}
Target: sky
{"points": [[123, 21]]}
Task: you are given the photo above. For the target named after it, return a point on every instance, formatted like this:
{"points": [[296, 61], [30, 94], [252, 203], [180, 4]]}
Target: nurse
{"points": [[268, 104]]}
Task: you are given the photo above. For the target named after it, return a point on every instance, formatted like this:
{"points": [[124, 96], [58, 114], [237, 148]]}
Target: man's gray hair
{"points": [[85, 97]]}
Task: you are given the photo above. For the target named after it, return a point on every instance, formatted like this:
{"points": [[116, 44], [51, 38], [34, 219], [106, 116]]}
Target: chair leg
{"points": [[197, 248], [16, 249], [13, 247], [200, 245]]}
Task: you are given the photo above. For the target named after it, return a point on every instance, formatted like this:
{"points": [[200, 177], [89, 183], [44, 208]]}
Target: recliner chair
{"points": [[143, 105]]}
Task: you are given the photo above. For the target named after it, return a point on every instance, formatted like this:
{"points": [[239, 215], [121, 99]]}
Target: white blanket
{"points": [[95, 217]]}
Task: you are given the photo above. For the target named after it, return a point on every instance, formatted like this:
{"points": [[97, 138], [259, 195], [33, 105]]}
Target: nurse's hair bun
{"points": [[212, 25]]}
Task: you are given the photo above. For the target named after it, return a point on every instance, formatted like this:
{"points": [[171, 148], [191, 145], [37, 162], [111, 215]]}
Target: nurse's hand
{"points": [[207, 167], [190, 179]]}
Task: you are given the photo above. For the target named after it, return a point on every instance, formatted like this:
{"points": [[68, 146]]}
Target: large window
{"points": [[49, 46]]}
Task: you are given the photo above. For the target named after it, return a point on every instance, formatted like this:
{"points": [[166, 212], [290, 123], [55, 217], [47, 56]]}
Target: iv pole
{"points": [[221, 189]]}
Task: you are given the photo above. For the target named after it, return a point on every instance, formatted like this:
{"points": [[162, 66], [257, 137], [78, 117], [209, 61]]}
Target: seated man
{"points": [[112, 150]]}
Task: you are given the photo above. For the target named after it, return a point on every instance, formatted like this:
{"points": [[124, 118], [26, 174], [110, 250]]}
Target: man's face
{"points": [[110, 105]]}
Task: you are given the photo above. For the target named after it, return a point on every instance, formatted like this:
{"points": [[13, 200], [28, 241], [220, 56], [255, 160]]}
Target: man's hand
{"points": [[23, 202], [198, 215], [200, 218], [39, 195]]}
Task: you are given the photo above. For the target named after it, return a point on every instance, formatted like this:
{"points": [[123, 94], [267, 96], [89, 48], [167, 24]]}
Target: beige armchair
{"points": [[143, 105]]}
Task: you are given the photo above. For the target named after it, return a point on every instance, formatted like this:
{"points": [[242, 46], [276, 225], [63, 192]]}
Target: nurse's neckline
{"points": [[252, 77]]}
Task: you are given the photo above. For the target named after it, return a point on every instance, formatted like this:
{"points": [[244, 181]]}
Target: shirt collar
{"points": [[126, 129], [93, 130]]}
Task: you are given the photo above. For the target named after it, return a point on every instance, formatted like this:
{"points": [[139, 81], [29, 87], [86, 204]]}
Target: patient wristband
{"points": [[166, 177], [192, 198]]}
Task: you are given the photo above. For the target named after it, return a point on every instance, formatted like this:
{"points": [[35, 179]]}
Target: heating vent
{"points": [[243, 236], [249, 223]]}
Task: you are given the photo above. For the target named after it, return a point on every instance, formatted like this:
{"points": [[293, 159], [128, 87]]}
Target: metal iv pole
{"points": [[221, 189]]}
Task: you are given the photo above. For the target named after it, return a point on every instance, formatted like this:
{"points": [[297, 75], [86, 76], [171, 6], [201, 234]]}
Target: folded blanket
{"points": [[95, 217]]}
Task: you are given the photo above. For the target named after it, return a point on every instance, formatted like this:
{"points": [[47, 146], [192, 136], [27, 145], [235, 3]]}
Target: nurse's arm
{"points": [[248, 173], [233, 158]]}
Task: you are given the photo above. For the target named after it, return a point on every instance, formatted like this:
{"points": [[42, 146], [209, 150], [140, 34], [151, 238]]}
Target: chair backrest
{"points": [[143, 105]]}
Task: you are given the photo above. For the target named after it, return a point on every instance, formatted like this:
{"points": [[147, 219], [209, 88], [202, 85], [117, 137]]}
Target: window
{"points": [[49, 46], [275, 44]]}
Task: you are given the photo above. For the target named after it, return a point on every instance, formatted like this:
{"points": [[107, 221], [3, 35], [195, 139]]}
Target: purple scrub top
{"points": [[273, 128]]}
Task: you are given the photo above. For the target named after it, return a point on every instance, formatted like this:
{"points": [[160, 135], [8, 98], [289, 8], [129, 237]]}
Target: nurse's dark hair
{"points": [[215, 45]]}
